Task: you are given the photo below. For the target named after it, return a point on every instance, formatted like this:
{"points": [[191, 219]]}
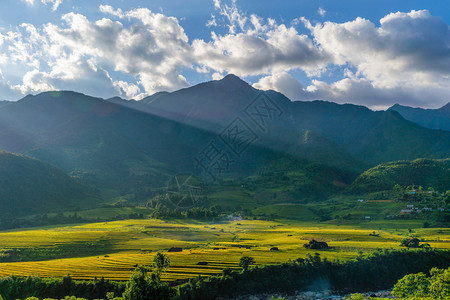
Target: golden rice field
{"points": [[112, 249]]}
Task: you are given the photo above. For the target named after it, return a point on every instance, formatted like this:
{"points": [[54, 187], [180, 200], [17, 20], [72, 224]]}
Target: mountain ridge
{"points": [[133, 148], [348, 125], [429, 118]]}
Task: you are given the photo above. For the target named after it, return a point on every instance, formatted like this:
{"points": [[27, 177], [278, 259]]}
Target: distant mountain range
{"points": [[371, 137], [221, 129], [429, 118]]}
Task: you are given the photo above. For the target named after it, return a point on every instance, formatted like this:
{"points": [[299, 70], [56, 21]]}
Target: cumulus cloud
{"points": [[254, 46], [150, 52], [284, 83], [108, 9], [405, 58], [406, 54]]}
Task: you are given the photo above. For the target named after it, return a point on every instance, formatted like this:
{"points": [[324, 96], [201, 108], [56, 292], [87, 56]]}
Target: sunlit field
{"points": [[112, 249]]}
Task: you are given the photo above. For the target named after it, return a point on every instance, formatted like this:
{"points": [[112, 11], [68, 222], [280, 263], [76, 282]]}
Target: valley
{"points": [[112, 249], [209, 175]]}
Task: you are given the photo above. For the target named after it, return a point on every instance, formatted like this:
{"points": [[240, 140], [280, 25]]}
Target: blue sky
{"points": [[374, 53]]}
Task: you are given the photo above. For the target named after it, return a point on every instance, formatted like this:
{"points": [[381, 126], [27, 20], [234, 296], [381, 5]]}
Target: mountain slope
{"points": [[135, 153], [372, 137], [116, 145], [29, 186], [421, 172], [429, 118], [214, 105], [134, 147]]}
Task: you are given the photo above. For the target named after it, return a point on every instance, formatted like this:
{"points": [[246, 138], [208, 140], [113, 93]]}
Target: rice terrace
{"points": [[112, 249]]}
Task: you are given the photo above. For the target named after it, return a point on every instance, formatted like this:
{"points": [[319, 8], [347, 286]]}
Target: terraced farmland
{"points": [[113, 249]]}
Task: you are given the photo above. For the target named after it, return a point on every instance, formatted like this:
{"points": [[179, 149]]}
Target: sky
{"points": [[368, 52]]}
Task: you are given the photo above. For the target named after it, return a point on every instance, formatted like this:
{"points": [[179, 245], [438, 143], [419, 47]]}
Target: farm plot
{"points": [[113, 249]]}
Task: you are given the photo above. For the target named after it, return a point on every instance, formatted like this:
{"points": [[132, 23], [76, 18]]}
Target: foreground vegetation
{"points": [[380, 270]]}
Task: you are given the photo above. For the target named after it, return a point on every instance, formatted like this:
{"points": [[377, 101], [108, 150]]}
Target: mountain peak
{"points": [[396, 105], [232, 79]]}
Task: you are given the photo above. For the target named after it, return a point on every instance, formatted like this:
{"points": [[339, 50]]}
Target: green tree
{"points": [[447, 197], [160, 263], [440, 283], [145, 283], [245, 262], [437, 286], [398, 189], [412, 285]]}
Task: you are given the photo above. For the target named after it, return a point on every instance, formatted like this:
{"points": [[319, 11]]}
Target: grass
{"points": [[112, 249]]}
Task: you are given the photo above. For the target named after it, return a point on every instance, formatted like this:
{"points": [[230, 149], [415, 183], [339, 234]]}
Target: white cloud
{"points": [[408, 48], [35, 81], [150, 52], [212, 21], [351, 89], [56, 3], [408, 53], [321, 11], [254, 46], [130, 90], [108, 9], [405, 58], [236, 18], [283, 83]]}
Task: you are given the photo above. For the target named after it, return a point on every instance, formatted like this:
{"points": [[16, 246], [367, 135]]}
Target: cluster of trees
{"points": [[144, 283], [436, 286], [200, 213], [380, 270], [14, 287], [429, 195], [8, 221], [419, 286]]}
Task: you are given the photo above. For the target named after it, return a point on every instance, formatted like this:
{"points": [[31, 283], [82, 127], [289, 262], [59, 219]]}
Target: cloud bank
{"points": [[405, 59]]}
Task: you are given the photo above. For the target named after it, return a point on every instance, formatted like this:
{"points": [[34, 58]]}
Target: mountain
{"points": [[111, 145], [30, 186], [421, 172], [429, 118], [224, 130], [135, 153], [371, 137], [4, 102]]}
